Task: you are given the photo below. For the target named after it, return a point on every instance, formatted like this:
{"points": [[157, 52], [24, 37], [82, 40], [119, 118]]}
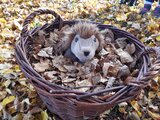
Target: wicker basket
{"points": [[71, 104]]}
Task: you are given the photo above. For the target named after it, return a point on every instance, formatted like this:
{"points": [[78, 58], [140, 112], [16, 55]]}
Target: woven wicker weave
{"points": [[71, 104]]}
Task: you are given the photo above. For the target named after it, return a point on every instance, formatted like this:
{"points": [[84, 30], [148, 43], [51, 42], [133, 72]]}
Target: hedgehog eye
{"points": [[95, 40], [76, 39]]}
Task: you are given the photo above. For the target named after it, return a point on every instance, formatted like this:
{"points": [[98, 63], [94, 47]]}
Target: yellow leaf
{"points": [[151, 95], [7, 33], [155, 116], [44, 115], [158, 38], [136, 106], [17, 68], [7, 100], [121, 17], [106, 22], [2, 20]]}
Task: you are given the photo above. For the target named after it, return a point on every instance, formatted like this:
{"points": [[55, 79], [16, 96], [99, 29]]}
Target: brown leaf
{"points": [[130, 48], [125, 57], [70, 68], [96, 79], [50, 75], [42, 66], [105, 68], [121, 42], [123, 71], [35, 110], [82, 85], [155, 116]]}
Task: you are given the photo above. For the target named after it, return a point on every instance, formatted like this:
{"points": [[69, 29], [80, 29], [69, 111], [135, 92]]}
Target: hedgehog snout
{"points": [[86, 53], [86, 50]]}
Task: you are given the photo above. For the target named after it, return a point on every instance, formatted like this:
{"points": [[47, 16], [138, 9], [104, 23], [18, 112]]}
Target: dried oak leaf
{"points": [[125, 57], [70, 68], [59, 61], [83, 85], [42, 65], [130, 48], [45, 52], [50, 75]]}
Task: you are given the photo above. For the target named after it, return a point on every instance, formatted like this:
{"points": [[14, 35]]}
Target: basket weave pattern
{"points": [[71, 104]]}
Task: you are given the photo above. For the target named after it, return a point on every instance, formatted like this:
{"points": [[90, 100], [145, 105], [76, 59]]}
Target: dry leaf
{"points": [[67, 80], [44, 115], [125, 57], [105, 68], [42, 66], [70, 68], [103, 52], [123, 71], [94, 64], [136, 106], [121, 42], [2, 95], [130, 48], [7, 100], [136, 26], [134, 116], [110, 82], [96, 79], [84, 83], [153, 108], [51, 75], [155, 116]]}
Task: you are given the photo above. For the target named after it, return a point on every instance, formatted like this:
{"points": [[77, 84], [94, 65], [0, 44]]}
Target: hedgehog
{"points": [[80, 42]]}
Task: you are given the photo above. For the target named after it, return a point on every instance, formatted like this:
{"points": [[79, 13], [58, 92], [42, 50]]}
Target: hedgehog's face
{"points": [[84, 49]]}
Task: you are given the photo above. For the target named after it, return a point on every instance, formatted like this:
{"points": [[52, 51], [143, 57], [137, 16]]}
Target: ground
{"points": [[18, 98]]}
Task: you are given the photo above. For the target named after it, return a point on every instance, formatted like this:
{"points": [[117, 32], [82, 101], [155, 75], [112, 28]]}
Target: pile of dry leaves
{"points": [[112, 66]]}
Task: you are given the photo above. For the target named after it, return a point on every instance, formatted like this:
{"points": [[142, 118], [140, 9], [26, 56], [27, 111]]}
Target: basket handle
{"points": [[40, 12]]}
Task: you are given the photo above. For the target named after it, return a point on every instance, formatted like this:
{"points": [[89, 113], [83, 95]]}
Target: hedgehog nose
{"points": [[86, 53]]}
